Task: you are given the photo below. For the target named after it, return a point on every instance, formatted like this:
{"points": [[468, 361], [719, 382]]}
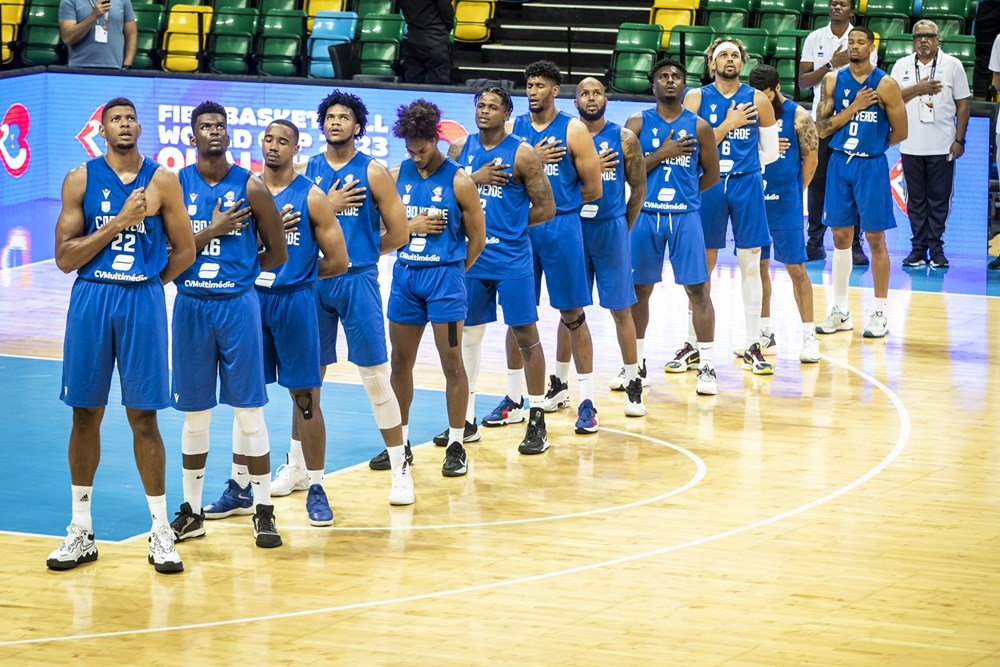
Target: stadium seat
{"points": [[962, 47], [695, 39], [779, 16], [231, 40], [280, 43], [636, 48], [670, 13], [893, 48], [889, 17], [787, 44], [186, 36], [949, 15], [381, 26], [40, 35], [473, 19], [376, 57], [169, 4], [726, 14], [755, 40], [149, 23], [368, 7], [235, 21], [329, 29], [315, 7], [817, 15], [11, 15], [230, 4], [277, 6]]}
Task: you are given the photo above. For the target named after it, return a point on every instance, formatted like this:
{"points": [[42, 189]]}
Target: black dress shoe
{"points": [[815, 252], [859, 257]]}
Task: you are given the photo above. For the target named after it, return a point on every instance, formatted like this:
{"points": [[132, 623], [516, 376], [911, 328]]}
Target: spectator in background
{"points": [[825, 50], [936, 93], [99, 33], [426, 51], [985, 28]]}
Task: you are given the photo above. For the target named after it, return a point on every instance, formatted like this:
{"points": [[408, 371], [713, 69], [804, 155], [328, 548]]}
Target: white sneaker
{"points": [[836, 321], [810, 348], [78, 547], [634, 405], [163, 554], [402, 487], [878, 325], [557, 397], [289, 478], [617, 383], [768, 346], [707, 385]]}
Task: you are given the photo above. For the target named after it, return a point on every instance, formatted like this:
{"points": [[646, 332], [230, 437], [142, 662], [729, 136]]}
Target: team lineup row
{"points": [[267, 269]]}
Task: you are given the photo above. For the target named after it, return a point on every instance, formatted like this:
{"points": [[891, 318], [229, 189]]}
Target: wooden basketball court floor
{"points": [[843, 513]]}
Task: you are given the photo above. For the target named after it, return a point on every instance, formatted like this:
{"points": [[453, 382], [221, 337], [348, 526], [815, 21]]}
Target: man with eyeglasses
{"points": [[936, 94]]}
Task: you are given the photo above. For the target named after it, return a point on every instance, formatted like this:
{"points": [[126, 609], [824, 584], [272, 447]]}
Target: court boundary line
{"points": [[905, 427]]}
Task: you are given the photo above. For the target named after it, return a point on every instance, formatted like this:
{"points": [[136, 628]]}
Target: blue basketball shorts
{"points": [[858, 187], [608, 257], [515, 295], [111, 323], [291, 336], [740, 198], [428, 294], [557, 252], [354, 301], [682, 234], [787, 226]]}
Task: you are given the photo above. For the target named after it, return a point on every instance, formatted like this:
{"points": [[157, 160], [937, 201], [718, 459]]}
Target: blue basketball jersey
{"points": [[136, 254], [228, 264], [434, 193], [786, 171], [611, 205], [508, 251], [362, 224], [738, 151], [303, 253], [562, 175], [672, 187], [867, 133]]}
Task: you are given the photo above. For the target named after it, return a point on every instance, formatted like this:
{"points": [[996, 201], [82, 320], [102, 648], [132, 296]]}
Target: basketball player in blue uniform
{"points": [[567, 151], [861, 107], [118, 214], [744, 125], [681, 162], [364, 197], [784, 180], [217, 333], [447, 234], [515, 195], [606, 225]]}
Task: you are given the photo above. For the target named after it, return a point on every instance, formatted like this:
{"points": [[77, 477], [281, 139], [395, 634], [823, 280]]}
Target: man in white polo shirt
{"points": [[825, 50], [936, 94]]}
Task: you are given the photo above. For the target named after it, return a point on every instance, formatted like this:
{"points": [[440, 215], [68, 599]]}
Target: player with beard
{"points": [[570, 161], [515, 196], [447, 234], [784, 180], [119, 212], [744, 125], [681, 162], [217, 332], [606, 225]]}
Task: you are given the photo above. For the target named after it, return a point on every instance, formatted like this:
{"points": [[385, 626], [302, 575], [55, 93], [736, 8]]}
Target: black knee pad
{"points": [[576, 324], [304, 402]]}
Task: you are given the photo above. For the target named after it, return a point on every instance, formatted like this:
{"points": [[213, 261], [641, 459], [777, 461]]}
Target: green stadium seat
{"points": [[727, 14], [282, 23], [368, 7], [895, 47], [962, 47], [279, 55], [787, 44], [39, 44], [235, 21], [147, 50], [695, 38], [889, 17], [267, 6], [779, 16], [231, 4], [629, 71], [951, 16], [229, 53], [382, 27], [377, 56], [638, 37], [817, 15], [755, 40]]}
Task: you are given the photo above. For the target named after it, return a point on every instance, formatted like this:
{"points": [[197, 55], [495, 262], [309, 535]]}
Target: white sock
{"points": [[193, 482], [640, 348], [585, 386], [261, 487], [705, 352], [692, 336], [515, 384], [82, 495], [296, 458], [470, 409], [315, 477], [397, 456], [765, 325], [240, 474], [472, 345], [753, 292], [456, 434], [562, 370], [158, 510], [808, 328], [406, 433], [880, 305], [536, 401], [631, 372], [842, 265]]}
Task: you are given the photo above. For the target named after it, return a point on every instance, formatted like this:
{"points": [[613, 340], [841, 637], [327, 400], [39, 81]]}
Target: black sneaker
{"points": [[938, 260], [536, 438], [815, 252], [915, 259], [455, 463], [994, 265], [557, 397], [187, 524], [858, 256], [381, 461], [634, 407], [265, 530], [471, 435]]}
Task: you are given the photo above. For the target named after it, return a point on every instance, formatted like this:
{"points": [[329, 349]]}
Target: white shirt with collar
{"points": [[818, 49], [932, 138]]}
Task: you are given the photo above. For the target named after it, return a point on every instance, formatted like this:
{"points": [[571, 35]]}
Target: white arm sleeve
{"points": [[767, 140]]}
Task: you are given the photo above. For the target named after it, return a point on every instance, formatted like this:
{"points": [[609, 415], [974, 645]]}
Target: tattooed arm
{"points": [[528, 169], [635, 175], [455, 149], [828, 122], [805, 130]]}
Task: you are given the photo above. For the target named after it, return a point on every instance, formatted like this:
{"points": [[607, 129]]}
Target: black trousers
{"points": [[816, 197], [929, 182], [987, 27], [427, 63]]}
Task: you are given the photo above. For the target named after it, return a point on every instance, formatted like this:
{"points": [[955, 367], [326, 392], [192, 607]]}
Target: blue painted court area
{"points": [[35, 432]]}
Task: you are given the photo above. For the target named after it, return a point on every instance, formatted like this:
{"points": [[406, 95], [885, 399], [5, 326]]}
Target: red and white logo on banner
{"points": [[15, 154], [90, 132]]}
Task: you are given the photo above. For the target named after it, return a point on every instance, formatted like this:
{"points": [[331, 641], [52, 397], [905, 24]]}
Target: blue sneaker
{"points": [[586, 420], [508, 412], [318, 507], [233, 501]]}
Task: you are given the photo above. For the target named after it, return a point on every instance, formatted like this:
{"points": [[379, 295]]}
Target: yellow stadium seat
{"points": [[471, 17], [185, 37], [670, 13], [11, 14], [314, 7]]}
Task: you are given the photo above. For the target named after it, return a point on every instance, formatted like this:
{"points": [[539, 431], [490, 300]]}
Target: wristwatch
{"points": [[829, 66], [960, 141]]}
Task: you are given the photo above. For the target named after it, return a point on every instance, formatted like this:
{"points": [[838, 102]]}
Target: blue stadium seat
{"points": [[329, 28]]}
